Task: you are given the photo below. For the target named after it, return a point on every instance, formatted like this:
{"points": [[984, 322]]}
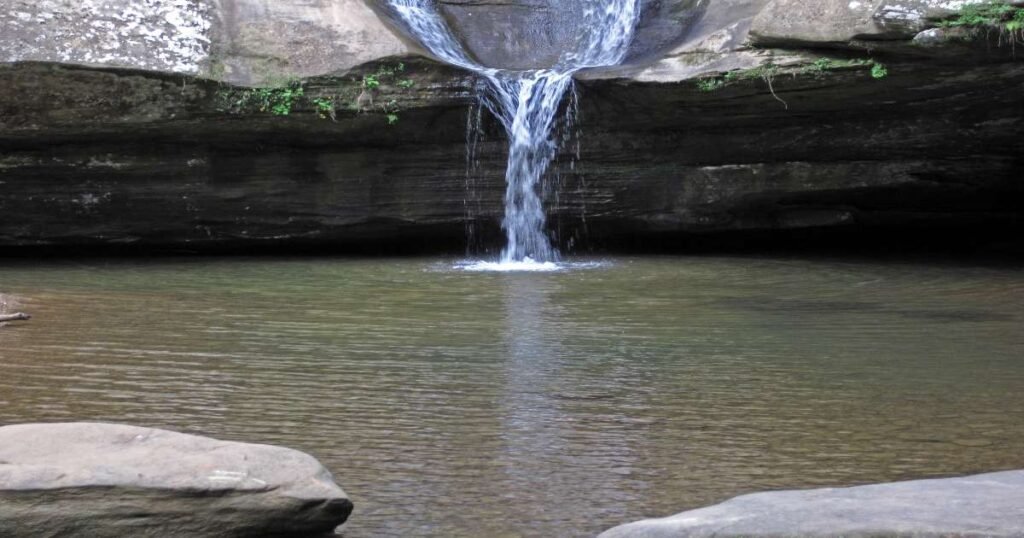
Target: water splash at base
{"points": [[525, 266]]}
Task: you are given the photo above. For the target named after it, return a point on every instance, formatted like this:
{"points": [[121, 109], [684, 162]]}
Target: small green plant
{"points": [[879, 71], [822, 65], [710, 84], [391, 110], [385, 80], [278, 101], [325, 108]]}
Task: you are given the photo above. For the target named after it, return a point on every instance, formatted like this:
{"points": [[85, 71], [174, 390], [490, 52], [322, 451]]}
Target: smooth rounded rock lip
{"points": [[96, 479]]}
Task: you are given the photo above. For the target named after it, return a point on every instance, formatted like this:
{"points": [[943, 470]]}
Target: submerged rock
{"points": [[108, 480], [981, 505]]}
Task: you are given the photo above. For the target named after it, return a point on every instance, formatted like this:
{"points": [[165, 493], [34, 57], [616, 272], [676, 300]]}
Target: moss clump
{"points": [[821, 66], [766, 72], [770, 71]]}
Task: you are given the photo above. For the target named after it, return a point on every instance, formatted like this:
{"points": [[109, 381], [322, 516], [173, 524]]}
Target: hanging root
{"points": [[768, 79]]}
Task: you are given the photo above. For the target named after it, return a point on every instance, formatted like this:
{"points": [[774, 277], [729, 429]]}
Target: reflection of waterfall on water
{"points": [[564, 438], [526, 103]]}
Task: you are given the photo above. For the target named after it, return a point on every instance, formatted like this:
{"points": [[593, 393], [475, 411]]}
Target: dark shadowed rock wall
{"points": [[742, 125]]}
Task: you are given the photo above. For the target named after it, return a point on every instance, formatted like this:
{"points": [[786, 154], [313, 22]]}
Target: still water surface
{"points": [[454, 403]]}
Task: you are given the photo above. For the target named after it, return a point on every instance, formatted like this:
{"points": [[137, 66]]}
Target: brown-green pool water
{"points": [[452, 403]]}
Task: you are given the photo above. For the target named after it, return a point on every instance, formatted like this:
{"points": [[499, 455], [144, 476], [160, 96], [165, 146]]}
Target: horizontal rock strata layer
{"points": [[748, 124]]}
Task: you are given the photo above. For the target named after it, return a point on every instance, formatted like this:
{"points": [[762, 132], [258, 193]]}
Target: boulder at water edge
{"points": [[109, 480], [982, 505]]}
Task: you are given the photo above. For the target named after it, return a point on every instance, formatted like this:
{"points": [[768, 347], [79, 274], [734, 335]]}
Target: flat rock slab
{"points": [[109, 480], [981, 505]]}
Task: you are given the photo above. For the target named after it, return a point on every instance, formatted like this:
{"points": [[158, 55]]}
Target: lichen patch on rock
{"points": [[159, 35]]}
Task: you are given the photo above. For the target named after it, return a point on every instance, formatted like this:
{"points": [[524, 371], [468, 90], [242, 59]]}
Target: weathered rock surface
{"points": [[718, 133], [237, 41], [982, 505], [838, 24], [107, 480], [268, 41]]}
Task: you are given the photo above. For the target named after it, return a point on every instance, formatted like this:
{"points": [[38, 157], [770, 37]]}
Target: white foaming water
{"points": [[525, 266], [526, 103]]}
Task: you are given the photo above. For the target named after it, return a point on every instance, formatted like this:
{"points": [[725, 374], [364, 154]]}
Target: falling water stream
{"points": [[526, 103]]}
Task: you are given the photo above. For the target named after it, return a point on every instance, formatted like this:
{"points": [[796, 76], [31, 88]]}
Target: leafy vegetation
{"points": [[822, 66], [999, 15], [325, 108], [371, 82], [879, 70], [361, 96], [386, 77], [1002, 17], [769, 72], [710, 84], [278, 101], [766, 72]]}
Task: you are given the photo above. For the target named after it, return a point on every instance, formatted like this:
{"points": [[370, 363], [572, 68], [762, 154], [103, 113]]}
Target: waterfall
{"points": [[526, 102]]}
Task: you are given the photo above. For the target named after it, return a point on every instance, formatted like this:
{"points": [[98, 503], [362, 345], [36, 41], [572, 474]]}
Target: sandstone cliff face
{"points": [[736, 116], [237, 41]]}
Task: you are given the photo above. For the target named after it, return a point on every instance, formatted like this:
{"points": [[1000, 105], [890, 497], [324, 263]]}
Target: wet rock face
{"points": [[532, 34], [110, 480]]}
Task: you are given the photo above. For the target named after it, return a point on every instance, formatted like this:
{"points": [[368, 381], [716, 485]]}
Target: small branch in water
{"points": [[20, 316]]}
